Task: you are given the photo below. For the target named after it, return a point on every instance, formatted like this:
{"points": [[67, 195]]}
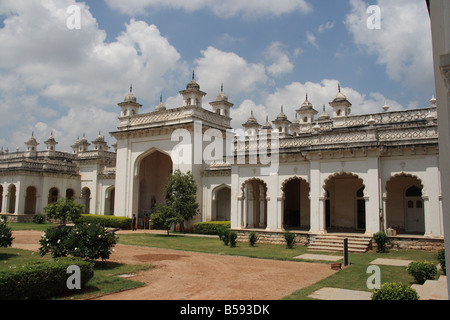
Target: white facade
{"points": [[342, 173]]}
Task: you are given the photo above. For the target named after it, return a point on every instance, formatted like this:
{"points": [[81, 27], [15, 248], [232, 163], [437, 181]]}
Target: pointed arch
{"points": [[405, 204], [344, 197], [295, 207], [254, 193], [221, 203]]}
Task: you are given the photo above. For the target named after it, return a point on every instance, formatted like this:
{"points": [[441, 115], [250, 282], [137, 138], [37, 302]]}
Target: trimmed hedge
{"points": [[42, 280], [106, 221], [210, 227]]}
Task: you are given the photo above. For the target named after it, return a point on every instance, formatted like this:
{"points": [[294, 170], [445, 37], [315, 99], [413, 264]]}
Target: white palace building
{"points": [[316, 174]]}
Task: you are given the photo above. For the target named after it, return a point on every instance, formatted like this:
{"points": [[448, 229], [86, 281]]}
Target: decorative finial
{"points": [[160, 98], [193, 75], [131, 88], [221, 88], [306, 96], [324, 107], [267, 118], [339, 87], [281, 108]]}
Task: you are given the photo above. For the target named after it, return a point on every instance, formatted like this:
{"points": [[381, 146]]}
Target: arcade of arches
{"points": [[344, 204]]}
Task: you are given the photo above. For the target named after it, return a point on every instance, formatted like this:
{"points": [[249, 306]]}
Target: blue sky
{"points": [[266, 54]]}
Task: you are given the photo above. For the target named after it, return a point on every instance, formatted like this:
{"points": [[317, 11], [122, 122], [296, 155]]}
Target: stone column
{"points": [[316, 206]]}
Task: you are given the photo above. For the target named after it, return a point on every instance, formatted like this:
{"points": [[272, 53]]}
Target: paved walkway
{"points": [[340, 294]]}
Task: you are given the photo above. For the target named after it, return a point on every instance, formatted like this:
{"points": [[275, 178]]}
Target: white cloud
{"points": [[239, 76], [54, 75], [311, 39], [403, 44], [326, 26], [281, 61], [224, 9]]}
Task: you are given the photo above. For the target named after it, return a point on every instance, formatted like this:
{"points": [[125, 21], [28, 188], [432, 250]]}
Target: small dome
{"points": [[193, 85], [267, 125], [221, 96], [160, 106], [324, 115], [306, 105], [281, 116], [251, 121], [130, 96], [340, 96]]}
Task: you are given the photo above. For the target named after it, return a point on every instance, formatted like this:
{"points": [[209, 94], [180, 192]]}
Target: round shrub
{"points": [[233, 237], [39, 219], [422, 271], [395, 291], [86, 241], [381, 239], [290, 239], [224, 235], [252, 238]]}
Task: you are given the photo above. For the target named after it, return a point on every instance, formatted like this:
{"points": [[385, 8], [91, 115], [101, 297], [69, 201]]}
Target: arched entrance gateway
{"points": [[296, 208], [221, 206], [30, 200], [154, 168], [345, 205], [255, 205], [405, 204]]}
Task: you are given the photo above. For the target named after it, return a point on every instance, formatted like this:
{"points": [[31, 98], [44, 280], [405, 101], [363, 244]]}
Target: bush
{"points": [[395, 291], [290, 239], [224, 235], [252, 238], [441, 259], [211, 227], [381, 239], [5, 235], [422, 271], [64, 210], [106, 221], [86, 241], [233, 237], [39, 219], [41, 280]]}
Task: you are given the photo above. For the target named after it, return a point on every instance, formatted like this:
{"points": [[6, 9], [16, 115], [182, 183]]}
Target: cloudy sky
{"points": [[66, 80]]}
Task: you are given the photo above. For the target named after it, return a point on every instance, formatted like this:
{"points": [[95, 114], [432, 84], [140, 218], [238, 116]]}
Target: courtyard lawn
{"points": [[30, 226]]}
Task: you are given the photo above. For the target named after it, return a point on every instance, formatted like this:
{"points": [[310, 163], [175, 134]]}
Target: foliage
{"points": [[5, 234], [290, 239], [224, 235], [86, 241], [106, 221], [395, 291], [233, 237], [64, 210], [441, 259], [54, 241], [164, 217], [39, 219], [210, 227], [422, 271], [381, 239], [42, 279], [252, 238], [181, 196]]}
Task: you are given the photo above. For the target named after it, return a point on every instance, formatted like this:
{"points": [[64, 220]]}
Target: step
{"points": [[432, 289], [335, 243]]}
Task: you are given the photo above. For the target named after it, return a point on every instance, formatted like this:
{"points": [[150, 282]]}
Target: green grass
{"points": [[19, 226]]}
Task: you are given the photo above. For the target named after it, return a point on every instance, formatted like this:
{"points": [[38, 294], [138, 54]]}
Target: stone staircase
{"points": [[335, 243], [432, 289]]}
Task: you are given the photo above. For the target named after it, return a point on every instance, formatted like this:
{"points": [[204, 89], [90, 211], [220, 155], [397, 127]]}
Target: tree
{"points": [[64, 210], [181, 196], [165, 217]]}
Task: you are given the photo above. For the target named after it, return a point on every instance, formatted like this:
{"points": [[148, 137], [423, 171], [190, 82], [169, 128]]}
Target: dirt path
{"points": [[182, 275]]}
